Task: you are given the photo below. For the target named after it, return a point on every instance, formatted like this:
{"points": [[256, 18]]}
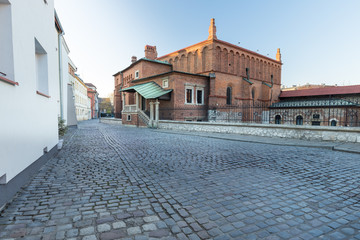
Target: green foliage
{"points": [[62, 127]]}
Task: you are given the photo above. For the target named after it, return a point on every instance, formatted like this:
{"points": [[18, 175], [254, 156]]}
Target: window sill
{"points": [[5, 80], [42, 94]]}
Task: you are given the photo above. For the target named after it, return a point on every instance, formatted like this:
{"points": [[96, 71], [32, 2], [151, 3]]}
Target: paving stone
{"points": [[114, 234], [118, 224], [159, 233], [115, 182], [149, 227], [133, 230], [87, 231], [103, 227]]}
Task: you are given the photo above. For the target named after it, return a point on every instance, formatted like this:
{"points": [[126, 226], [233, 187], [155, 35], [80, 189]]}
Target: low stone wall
{"points": [[111, 120], [336, 134]]}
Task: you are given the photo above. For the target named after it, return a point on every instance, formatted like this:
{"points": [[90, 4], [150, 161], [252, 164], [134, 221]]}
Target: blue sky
{"points": [[319, 40]]}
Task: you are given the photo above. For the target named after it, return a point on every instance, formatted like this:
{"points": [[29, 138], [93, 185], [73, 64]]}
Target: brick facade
{"points": [[227, 74]]}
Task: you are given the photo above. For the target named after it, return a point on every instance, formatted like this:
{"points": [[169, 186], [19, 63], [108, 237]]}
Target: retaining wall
{"points": [[336, 134], [111, 120]]}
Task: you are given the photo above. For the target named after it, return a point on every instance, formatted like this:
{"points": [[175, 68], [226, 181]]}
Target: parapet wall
{"points": [[335, 134]]}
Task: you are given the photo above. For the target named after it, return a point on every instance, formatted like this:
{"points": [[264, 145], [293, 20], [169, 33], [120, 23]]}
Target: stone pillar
{"points": [[151, 114], [123, 101], [137, 101], [157, 112]]}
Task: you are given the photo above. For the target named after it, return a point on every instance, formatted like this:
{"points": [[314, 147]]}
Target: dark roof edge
{"points": [[166, 73], [141, 59]]}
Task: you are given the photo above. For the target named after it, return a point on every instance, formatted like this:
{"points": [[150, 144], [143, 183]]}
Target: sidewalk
{"points": [[336, 146]]}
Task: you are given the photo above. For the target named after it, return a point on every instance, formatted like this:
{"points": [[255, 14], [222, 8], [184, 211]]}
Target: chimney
{"points": [[133, 59], [278, 55], [212, 30], [150, 52]]}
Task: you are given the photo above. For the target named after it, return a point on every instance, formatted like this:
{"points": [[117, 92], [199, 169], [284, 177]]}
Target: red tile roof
{"points": [[337, 90]]}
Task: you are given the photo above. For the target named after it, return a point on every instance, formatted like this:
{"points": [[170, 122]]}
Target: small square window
{"points": [[165, 83]]}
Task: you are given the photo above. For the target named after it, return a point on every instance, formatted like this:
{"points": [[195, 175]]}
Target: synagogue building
{"points": [[197, 83]]}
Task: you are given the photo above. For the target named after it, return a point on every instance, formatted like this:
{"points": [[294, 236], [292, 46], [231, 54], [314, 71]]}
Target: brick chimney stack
{"points": [[133, 59], [150, 52]]}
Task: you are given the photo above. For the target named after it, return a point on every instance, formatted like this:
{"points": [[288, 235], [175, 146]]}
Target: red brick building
{"points": [[93, 95], [212, 73], [321, 106]]}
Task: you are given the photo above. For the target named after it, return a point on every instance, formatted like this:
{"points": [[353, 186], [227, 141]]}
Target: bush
{"points": [[62, 127]]}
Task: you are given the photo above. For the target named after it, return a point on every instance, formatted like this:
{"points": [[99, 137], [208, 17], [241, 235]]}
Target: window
{"points": [[333, 123], [277, 119], [165, 83], [137, 74], [253, 93], [199, 96], [41, 63], [299, 120], [316, 115], [129, 117], [228, 96], [188, 95], [6, 42], [247, 72]]}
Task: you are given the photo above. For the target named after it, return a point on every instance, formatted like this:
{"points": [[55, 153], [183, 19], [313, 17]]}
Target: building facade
{"points": [[318, 105], [80, 93], [29, 90], [94, 100], [196, 82]]}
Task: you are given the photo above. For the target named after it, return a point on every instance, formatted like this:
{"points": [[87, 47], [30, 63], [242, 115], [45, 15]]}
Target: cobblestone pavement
{"points": [[116, 182]]}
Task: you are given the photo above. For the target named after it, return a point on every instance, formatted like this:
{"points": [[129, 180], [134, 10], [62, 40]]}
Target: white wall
{"points": [[28, 121], [64, 68]]}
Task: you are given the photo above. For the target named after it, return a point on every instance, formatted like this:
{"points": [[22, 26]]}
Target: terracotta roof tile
{"points": [[337, 90]]}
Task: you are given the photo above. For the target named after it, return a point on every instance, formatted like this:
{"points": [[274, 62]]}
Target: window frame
{"points": [[229, 96], [165, 81], [202, 95], [137, 74], [192, 95]]}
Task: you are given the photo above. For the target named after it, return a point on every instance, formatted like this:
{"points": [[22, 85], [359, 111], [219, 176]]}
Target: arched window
{"points": [[277, 119], [299, 120], [228, 96], [333, 123]]}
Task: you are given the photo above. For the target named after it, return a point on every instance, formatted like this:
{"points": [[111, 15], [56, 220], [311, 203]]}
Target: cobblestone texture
{"points": [[115, 182]]}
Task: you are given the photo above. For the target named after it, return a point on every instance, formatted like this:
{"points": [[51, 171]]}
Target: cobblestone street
{"points": [[116, 182]]}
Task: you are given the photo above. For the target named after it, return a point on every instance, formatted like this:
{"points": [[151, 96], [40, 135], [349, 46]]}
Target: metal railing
{"points": [[332, 112]]}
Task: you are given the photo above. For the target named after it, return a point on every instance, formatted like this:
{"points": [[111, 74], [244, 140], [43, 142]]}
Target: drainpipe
{"points": [[60, 74]]}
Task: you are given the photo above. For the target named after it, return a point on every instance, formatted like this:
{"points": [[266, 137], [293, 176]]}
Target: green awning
{"points": [[148, 90]]}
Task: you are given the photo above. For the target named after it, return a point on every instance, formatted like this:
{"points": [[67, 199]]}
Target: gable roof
{"points": [[336, 90], [142, 59]]}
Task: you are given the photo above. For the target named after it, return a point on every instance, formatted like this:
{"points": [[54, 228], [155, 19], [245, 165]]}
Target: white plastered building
{"points": [[29, 90]]}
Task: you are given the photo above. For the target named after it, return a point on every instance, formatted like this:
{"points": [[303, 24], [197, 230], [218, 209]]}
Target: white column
{"points": [[151, 114], [137, 101], [123, 101], [157, 112]]}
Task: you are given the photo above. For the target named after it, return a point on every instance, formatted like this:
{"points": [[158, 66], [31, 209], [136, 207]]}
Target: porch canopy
{"points": [[149, 90]]}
